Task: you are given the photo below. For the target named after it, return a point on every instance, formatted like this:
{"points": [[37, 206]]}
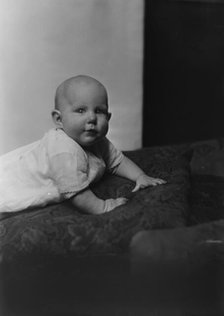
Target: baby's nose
{"points": [[92, 117]]}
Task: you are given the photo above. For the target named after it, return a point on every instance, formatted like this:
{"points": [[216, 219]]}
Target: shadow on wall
{"points": [[184, 71]]}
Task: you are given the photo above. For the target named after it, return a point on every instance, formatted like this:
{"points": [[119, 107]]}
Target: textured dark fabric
{"points": [[208, 158], [206, 199], [195, 244], [203, 241], [207, 182], [67, 263], [62, 230]]}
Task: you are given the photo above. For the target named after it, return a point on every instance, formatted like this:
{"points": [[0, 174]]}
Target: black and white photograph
{"points": [[111, 158]]}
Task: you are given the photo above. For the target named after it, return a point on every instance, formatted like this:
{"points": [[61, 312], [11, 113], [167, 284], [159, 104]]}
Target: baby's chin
{"points": [[90, 142]]}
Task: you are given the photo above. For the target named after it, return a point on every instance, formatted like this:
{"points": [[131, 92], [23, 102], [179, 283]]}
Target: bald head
{"points": [[67, 90]]}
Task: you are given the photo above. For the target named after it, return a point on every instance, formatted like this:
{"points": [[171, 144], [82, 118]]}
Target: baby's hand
{"points": [[110, 204], [143, 181]]}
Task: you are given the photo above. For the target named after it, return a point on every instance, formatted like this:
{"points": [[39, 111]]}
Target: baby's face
{"points": [[85, 118]]}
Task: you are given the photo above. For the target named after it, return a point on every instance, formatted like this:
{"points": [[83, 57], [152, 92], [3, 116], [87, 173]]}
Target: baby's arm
{"points": [[128, 169], [88, 202]]}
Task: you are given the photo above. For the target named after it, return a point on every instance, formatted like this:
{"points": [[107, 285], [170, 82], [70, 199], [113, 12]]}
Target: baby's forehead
{"points": [[84, 83], [78, 87], [83, 88]]}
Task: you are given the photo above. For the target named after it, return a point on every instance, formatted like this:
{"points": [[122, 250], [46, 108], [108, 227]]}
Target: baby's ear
{"points": [[56, 116], [109, 116]]}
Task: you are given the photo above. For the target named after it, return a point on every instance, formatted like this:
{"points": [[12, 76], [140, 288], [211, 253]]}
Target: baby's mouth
{"points": [[90, 128], [91, 131]]}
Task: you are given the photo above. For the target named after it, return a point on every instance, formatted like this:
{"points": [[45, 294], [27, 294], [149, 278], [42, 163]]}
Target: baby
{"points": [[70, 157]]}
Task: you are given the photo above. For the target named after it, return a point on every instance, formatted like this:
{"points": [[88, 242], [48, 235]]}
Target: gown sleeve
{"points": [[111, 155]]}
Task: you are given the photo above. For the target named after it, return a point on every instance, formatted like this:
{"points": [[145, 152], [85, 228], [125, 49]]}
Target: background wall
{"points": [[46, 41]]}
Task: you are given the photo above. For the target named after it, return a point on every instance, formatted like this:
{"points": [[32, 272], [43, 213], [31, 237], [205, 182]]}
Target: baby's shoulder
{"points": [[57, 142], [105, 146]]}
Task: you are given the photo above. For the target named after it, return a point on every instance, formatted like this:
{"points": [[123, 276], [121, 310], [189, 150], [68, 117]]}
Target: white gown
{"points": [[51, 170]]}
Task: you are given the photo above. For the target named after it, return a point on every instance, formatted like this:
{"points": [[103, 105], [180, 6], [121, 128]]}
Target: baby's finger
{"points": [[121, 201], [136, 188], [159, 181], [154, 183]]}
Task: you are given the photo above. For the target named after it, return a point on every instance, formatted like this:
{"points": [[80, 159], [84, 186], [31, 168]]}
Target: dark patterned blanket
{"points": [[164, 248], [62, 230], [193, 195]]}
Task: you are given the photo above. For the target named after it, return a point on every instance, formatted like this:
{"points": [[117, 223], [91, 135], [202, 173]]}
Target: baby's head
{"points": [[81, 109]]}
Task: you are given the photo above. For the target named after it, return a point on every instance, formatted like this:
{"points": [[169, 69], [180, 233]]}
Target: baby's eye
{"points": [[80, 110], [101, 111]]}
